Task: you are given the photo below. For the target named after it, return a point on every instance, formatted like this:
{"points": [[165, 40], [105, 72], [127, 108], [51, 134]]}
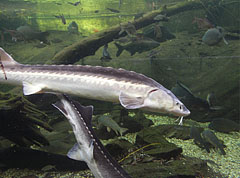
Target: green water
{"points": [[89, 14], [203, 69]]}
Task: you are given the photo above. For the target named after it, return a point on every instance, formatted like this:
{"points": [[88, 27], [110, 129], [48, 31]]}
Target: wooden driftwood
{"points": [[88, 46], [20, 121]]}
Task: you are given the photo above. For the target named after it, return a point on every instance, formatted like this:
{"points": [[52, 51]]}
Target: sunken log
{"points": [[20, 121], [88, 46]]}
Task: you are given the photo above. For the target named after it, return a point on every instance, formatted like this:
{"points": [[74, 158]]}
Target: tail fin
{"points": [[122, 131], [120, 49], [43, 37], [6, 59], [221, 149]]}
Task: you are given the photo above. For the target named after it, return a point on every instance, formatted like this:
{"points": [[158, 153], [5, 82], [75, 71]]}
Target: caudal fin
{"points": [[120, 49], [6, 59], [123, 130]]}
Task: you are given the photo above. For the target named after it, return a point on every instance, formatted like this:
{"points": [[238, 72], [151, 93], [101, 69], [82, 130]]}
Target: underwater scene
{"points": [[119, 88]]}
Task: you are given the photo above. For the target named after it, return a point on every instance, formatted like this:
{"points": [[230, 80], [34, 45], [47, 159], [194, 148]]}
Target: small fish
{"points": [[138, 16], [73, 28], [107, 121], [16, 35], [61, 16], [88, 147], [211, 99], [28, 33], [124, 39], [40, 45], [56, 40], [95, 30], [157, 31], [75, 3], [198, 140], [105, 53], [153, 5], [224, 125], [129, 28], [139, 46], [213, 36], [202, 23], [211, 138], [49, 168], [120, 4], [96, 11], [185, 95], [161, 17], [113, 10]]}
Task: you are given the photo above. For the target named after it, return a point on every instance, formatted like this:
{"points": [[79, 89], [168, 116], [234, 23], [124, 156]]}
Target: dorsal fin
{"points": [[6, 59], [85, 111]]}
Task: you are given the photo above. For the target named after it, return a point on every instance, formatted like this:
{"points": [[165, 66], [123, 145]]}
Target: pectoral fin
{"points": [[108, 129], [225, 41], [75, 153], [29, 88], [131, 102]]}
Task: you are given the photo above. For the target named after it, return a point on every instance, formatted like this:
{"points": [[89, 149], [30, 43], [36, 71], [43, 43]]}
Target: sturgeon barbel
{"points": [[132, 90]]}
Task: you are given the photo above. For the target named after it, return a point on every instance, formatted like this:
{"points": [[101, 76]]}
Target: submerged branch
{"points": [[88, 46], [20, 121]]}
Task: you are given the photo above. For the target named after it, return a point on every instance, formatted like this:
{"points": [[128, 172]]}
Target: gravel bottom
{"points": [[228, 165], [26, 173]]}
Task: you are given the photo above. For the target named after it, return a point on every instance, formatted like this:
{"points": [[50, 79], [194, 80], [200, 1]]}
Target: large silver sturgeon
{"points": [[88, 147], [131, 89]]}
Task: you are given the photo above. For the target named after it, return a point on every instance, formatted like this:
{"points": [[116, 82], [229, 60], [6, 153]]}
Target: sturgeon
{"points": [[132, 90], [88, 147]]}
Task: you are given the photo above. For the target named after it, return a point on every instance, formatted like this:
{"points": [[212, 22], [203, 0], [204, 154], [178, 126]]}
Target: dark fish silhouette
{"points": [[139, 45], [75, 3], [211, 138], [198, 140], [113, 10], [224, 125], [61, 16], [105, 53]]}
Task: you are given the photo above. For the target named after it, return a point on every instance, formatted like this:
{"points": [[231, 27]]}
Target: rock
{"points": [[161, 148], [224, 125], [118, 147], [170, 131], [184, 167]]}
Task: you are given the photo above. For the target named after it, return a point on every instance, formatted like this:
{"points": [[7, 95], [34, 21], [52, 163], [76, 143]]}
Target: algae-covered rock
{"points": [[118, 147], [158, 147], [170, 131], [184, 167]]}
